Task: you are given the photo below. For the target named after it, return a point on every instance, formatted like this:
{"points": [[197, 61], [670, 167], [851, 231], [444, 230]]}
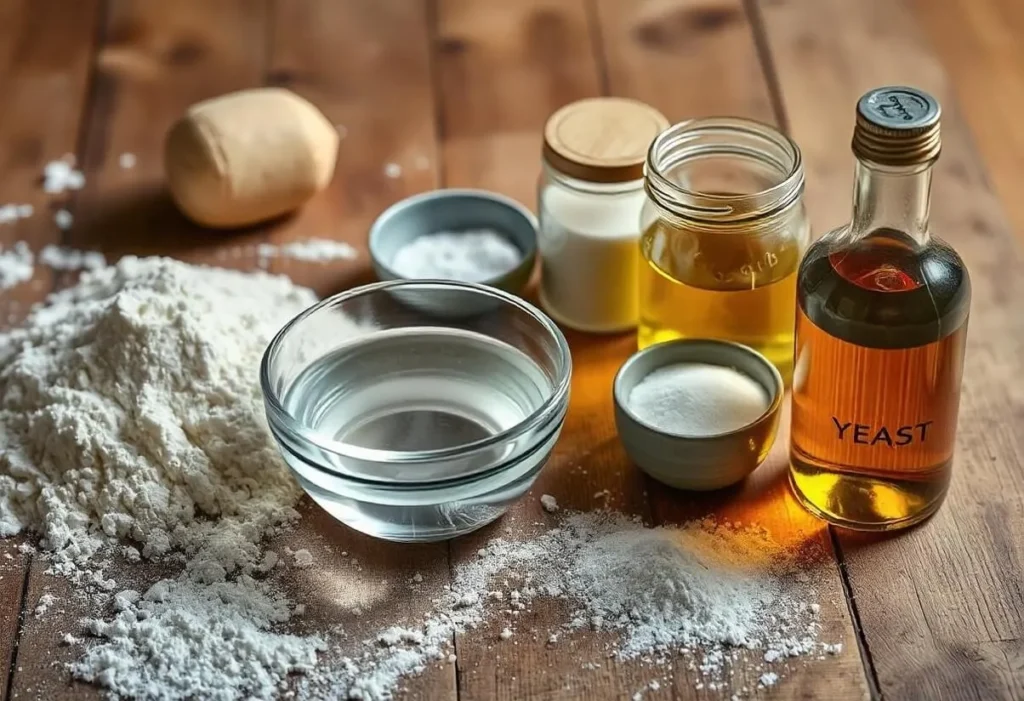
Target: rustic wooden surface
{"points": [[455, 92]]}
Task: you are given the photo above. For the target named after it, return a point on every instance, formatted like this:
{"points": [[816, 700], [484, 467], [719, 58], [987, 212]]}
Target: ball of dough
{"points": [[248, 156]]}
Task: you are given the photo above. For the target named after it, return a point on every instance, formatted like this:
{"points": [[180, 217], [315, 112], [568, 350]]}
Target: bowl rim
{"points": [[380, 224], [773, 405], [537, 418]]}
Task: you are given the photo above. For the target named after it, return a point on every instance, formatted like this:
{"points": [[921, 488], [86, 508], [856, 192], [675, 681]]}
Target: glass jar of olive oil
{"points": [[723, 230]]}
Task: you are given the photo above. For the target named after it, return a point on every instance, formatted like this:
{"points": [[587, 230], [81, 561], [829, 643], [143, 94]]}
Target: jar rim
{"points": [[723, 136]]}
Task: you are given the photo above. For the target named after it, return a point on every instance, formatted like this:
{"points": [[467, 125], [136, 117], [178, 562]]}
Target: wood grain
{"points": [[941, 607], [502, 68], [688, 58], [154, 60], [980, 48], [366, 65], [663, 52], [44, 71]]}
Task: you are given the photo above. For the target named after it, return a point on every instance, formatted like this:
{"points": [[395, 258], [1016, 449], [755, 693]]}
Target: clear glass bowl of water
{"points": [[414, 426]]}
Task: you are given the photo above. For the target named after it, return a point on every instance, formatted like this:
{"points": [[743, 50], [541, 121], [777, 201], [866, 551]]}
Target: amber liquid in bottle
{"points": [[881, 328]]}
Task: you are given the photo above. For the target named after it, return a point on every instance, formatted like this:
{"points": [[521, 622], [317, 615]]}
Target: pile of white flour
{"points": [[131, 411], [131, 417]]}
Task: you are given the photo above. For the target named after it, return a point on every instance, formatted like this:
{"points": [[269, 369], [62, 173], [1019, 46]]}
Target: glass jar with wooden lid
{"points": [[724, 228], [589, 201]]}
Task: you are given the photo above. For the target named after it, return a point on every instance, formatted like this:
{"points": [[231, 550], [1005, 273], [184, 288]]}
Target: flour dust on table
{"points": [[700, 592], [132, 427]]}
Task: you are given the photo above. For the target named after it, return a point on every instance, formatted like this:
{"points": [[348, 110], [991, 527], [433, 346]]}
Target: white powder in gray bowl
{"points": [[697, 399], [467, 256]]}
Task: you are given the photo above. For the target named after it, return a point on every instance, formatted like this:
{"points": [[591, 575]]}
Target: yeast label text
{"points": [[894, 437]]}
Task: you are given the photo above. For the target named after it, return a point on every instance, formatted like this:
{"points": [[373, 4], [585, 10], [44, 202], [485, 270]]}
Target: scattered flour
{"points": [[63, 258], [10, 213], [126, 160], [60, 175], [63, 219], [311, 250], [183, 640], [549, 503], [703, 589], [16, 265], [45, 602], [393, 170], [303, 558]]}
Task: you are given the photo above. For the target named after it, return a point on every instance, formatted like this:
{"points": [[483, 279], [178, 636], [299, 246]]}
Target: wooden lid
{"points": [[602, 139]]}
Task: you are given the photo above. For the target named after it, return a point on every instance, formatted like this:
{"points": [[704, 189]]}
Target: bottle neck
{"points": [[892, 198]]}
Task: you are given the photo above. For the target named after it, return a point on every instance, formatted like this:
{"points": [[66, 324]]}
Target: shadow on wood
{"points": [[144, 221]]}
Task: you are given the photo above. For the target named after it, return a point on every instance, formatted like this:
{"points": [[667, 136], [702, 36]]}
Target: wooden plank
{"points": [[688, 58], [366, 64], [941, 607], [45, 61], [44, 69], [693, 58], [502, 69], [154, 60], [979, 44]]}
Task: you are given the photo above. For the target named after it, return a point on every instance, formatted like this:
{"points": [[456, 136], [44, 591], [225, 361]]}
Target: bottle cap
{"points": [[897, 126], [602, 139]]}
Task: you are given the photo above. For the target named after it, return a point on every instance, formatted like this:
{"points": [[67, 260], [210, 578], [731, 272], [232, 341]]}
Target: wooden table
{"points": [[456, 92]]}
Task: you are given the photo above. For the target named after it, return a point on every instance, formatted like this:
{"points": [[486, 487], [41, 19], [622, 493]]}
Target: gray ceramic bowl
{"points": [[697, 462], [455, 210]]}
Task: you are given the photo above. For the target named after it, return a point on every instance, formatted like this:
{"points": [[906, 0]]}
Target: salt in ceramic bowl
{"points": [[455, 210], [704, 462]]}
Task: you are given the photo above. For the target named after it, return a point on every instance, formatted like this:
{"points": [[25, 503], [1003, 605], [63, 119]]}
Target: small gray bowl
{"points": [[699, 463], [454, 210]]}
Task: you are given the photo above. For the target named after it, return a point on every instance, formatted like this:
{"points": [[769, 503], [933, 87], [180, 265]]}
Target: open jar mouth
{"points": [[306, 338], [723, 170]]}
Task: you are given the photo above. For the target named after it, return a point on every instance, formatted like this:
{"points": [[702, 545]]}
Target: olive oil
{"points": [[734, 286]]}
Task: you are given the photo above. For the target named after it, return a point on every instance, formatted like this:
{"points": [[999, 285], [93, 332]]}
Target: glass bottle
{"points": [[882, 309], [724, 228]]}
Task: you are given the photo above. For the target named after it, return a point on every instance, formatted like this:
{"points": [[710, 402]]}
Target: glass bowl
{"points": [[412, 426]]}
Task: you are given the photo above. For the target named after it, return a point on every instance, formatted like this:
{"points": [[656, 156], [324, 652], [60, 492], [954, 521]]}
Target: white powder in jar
{"points": [[472, 255], [589, 247], [697, 399]]}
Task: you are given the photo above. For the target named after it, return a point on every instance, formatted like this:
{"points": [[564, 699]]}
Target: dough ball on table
{"points": [[248, 156]]}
